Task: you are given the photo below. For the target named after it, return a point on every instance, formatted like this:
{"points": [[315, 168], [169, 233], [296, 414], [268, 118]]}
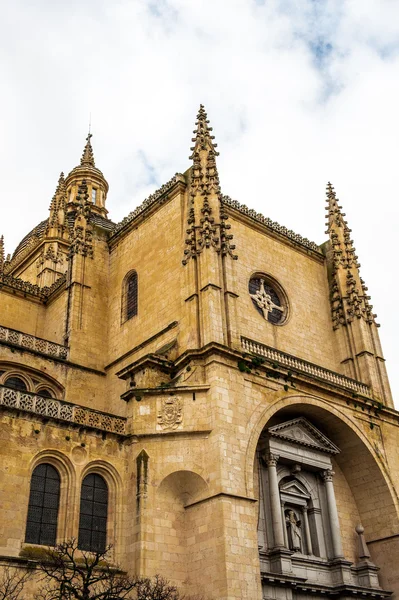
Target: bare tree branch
{"points": [[12, 583]]}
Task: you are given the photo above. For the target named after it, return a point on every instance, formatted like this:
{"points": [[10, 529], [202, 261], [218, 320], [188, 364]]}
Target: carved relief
{"points": [[171, 414]]}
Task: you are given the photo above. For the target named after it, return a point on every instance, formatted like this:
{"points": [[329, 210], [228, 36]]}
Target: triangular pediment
{"points": [[301, 431], [294, 488]]}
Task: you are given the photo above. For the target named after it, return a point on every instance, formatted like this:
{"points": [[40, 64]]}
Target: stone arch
{"points": [[362, 468], [184, 486], [67, 489], [115, 501], [182, 525]]}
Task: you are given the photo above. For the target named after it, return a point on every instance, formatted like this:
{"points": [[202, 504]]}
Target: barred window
{"points": [[17, 383], [93, 514], [41, 526], [130, 297]]}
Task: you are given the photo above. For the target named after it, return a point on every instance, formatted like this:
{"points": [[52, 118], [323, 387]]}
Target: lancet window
{"points": [[41, 527], [130, 296], [93, 513]]}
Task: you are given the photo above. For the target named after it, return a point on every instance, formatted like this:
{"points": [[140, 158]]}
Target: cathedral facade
{"points": [[202, 389]]}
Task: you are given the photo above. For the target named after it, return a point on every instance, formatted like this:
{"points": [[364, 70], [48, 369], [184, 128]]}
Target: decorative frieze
{"points": [[302, 366], [59, 410], [31, 342]]}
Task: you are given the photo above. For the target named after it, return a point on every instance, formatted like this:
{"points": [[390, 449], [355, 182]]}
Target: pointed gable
{"points": [[301, 431]]}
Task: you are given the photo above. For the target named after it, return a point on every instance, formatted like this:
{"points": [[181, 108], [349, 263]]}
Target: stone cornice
{"points": [[31, 290], [273, 227], [155, 199]]}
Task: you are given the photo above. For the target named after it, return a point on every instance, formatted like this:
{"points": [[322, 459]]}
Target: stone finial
{"points": [[348, 291], [87, 159], [363, 550]]}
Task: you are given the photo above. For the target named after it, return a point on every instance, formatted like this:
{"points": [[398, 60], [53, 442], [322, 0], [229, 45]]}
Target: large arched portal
{"points": [[318, 477]]}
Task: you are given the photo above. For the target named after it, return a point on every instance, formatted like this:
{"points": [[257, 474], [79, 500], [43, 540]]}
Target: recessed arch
{"points": [[362, 468]]}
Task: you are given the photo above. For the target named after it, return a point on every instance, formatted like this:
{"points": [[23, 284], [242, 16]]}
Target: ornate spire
{"points": [[87, 159], [348, 291], [81, 235], [56, 221], [1, 254], [204, 231]]}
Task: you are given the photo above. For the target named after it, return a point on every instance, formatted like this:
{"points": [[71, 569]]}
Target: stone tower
{"points": [[199, 387]]}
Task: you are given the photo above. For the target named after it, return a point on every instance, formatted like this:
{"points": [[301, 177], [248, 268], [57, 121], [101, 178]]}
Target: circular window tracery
{"points": [[268, 299]]}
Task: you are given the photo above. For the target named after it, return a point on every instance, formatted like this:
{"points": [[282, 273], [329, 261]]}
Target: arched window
{"points": [[46, 393], [93, 514], [17, 383], [41, 526], [130, 297]]}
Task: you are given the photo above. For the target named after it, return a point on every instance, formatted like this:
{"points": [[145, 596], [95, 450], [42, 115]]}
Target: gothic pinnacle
{"points": [[203, 139], [87, 159], [1, 254], [348, 292]]}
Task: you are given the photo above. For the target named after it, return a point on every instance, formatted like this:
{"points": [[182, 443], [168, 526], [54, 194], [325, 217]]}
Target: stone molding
{"points": [[31, 342], [300, 431], [42, 293], [148, 202], [249, 212], [61, 411], [303, 366]]}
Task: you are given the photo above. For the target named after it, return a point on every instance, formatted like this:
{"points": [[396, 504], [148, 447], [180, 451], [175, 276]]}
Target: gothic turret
{"points": [[352, 315], [97, 185]]}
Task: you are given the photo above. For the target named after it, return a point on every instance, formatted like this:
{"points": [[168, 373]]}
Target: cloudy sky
{"points": [[298, 92]]}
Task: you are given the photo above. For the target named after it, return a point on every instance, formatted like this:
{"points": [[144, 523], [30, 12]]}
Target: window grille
{"points": [[130, 297], [16, 383], [41, 526], [93, 514]]}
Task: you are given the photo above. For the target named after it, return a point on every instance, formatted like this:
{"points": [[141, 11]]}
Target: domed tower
{"points": [[95, 180]]}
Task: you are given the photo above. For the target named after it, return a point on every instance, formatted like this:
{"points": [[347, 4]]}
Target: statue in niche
{"points": [[294, 531]]}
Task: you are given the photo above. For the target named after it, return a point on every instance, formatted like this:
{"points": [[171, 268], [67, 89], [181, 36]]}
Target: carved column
{"points": [[307, 530], [275, 504], [333, 514]]}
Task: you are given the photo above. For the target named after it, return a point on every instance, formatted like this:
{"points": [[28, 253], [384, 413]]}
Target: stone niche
{"points": [[298, 532]]}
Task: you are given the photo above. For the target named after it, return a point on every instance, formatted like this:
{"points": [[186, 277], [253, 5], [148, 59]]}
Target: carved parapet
{"points": [[61, 411], [31, 342], [42, 293], [148, 202], [288, 233], [302, 366]]}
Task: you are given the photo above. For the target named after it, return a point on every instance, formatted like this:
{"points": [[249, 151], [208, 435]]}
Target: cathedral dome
{"points": [[37, 233]]}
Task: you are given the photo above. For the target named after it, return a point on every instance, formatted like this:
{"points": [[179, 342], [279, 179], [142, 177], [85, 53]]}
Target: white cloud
{"points": [[298, 93]]}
